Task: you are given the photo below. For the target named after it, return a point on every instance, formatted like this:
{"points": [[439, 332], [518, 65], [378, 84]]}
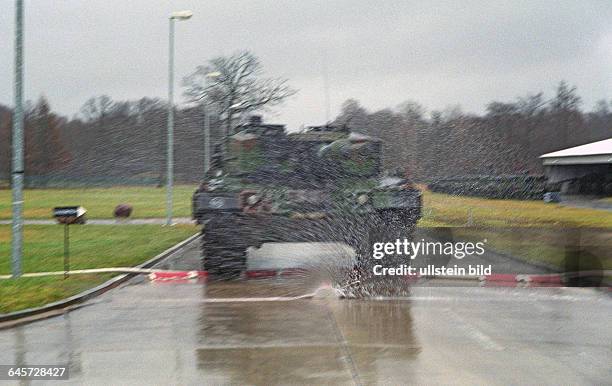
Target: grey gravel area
{"points": [[586, 202]]}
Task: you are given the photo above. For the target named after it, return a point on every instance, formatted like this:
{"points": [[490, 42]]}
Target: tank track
{"points": [[223, 250], [384, 226]]}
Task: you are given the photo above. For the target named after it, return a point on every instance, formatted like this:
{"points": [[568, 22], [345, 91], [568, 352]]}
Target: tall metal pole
{"points": [[228, 129], [170, 144], [206, 138], [17, 172]]}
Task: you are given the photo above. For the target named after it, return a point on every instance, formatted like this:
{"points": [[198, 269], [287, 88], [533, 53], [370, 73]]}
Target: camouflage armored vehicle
{"points": [[321, 184]]}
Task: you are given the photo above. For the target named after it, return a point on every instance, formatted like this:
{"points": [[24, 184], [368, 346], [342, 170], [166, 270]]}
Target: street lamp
{"points": [[179, 15], [17, 167], [231, 109], [228, 126], [211, 75]]}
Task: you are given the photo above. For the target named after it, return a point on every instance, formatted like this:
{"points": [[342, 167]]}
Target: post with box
{"points": [[68, 215]]}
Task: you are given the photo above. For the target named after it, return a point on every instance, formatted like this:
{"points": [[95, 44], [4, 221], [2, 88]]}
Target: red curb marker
{"points": [[509, 284], [261, 273], [500, 277], [200, 280], [293, 271], [178, 275], [545, 279]]}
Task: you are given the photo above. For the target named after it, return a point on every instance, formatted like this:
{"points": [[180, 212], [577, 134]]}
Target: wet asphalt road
{"points": [[231, 333]]}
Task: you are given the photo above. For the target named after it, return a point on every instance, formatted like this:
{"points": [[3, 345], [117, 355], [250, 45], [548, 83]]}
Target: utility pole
{"points": [[180, 15], [206, 138], [17, 171], [207, 110], [170, 130]]}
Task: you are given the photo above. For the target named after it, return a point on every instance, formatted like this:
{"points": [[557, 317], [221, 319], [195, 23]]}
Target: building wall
{"points": [[580, 179]]}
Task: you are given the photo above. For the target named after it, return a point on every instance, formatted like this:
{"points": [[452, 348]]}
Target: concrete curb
{"points": [[59, 307], [546, 267]]}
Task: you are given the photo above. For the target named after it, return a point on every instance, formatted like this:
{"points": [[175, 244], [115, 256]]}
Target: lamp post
{"points": [[180, 15], [230, 112], [206, 138], [17, 169], [211, 75], [228, 127]]}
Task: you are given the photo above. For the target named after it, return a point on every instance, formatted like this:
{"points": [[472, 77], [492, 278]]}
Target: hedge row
{"points": [[520, 187]]}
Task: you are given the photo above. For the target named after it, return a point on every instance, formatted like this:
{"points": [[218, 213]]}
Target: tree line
{"points": [[507, 139], [110, 142], [124, 142]]}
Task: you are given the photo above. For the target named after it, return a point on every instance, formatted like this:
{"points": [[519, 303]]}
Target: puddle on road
{"points": [[262, 288], [297, 270], [314, 341], [311, 265]]}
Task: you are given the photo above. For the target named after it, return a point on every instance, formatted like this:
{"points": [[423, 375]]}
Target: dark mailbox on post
{"points": [[68, 215]]}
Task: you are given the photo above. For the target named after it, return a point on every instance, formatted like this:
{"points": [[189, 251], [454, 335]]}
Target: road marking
{"points": [[342, 343], [224, 346], [473, 332], [185, 274], [255, 300], [503, 298]]}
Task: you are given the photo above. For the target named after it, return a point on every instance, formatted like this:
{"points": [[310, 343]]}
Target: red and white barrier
{"points": [[177, 275], [493, 280]]}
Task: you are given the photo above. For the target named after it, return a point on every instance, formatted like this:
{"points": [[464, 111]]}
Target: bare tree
{"points": [[237, 86], [566, 99], [412, 135], [353, 115], [565, 108], [97, 108], [531, 104], [45, 151]]}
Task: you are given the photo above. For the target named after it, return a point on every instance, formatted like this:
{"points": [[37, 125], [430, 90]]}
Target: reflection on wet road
{"points": [[148, 333]]}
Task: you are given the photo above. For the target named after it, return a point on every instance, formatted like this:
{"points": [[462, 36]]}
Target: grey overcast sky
{"points": [[382, 53]]}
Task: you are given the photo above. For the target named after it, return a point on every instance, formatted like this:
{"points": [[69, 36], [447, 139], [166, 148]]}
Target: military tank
{"points": [[321, 184]]}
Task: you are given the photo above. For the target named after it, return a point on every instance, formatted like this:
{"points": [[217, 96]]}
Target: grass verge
{"points": [[438, 209], [148, 202], [91, 246], [533, 231], [447, 210], [551, 246]]}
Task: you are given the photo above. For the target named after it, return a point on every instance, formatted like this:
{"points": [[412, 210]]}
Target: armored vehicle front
{"points": [[323, 183]]}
